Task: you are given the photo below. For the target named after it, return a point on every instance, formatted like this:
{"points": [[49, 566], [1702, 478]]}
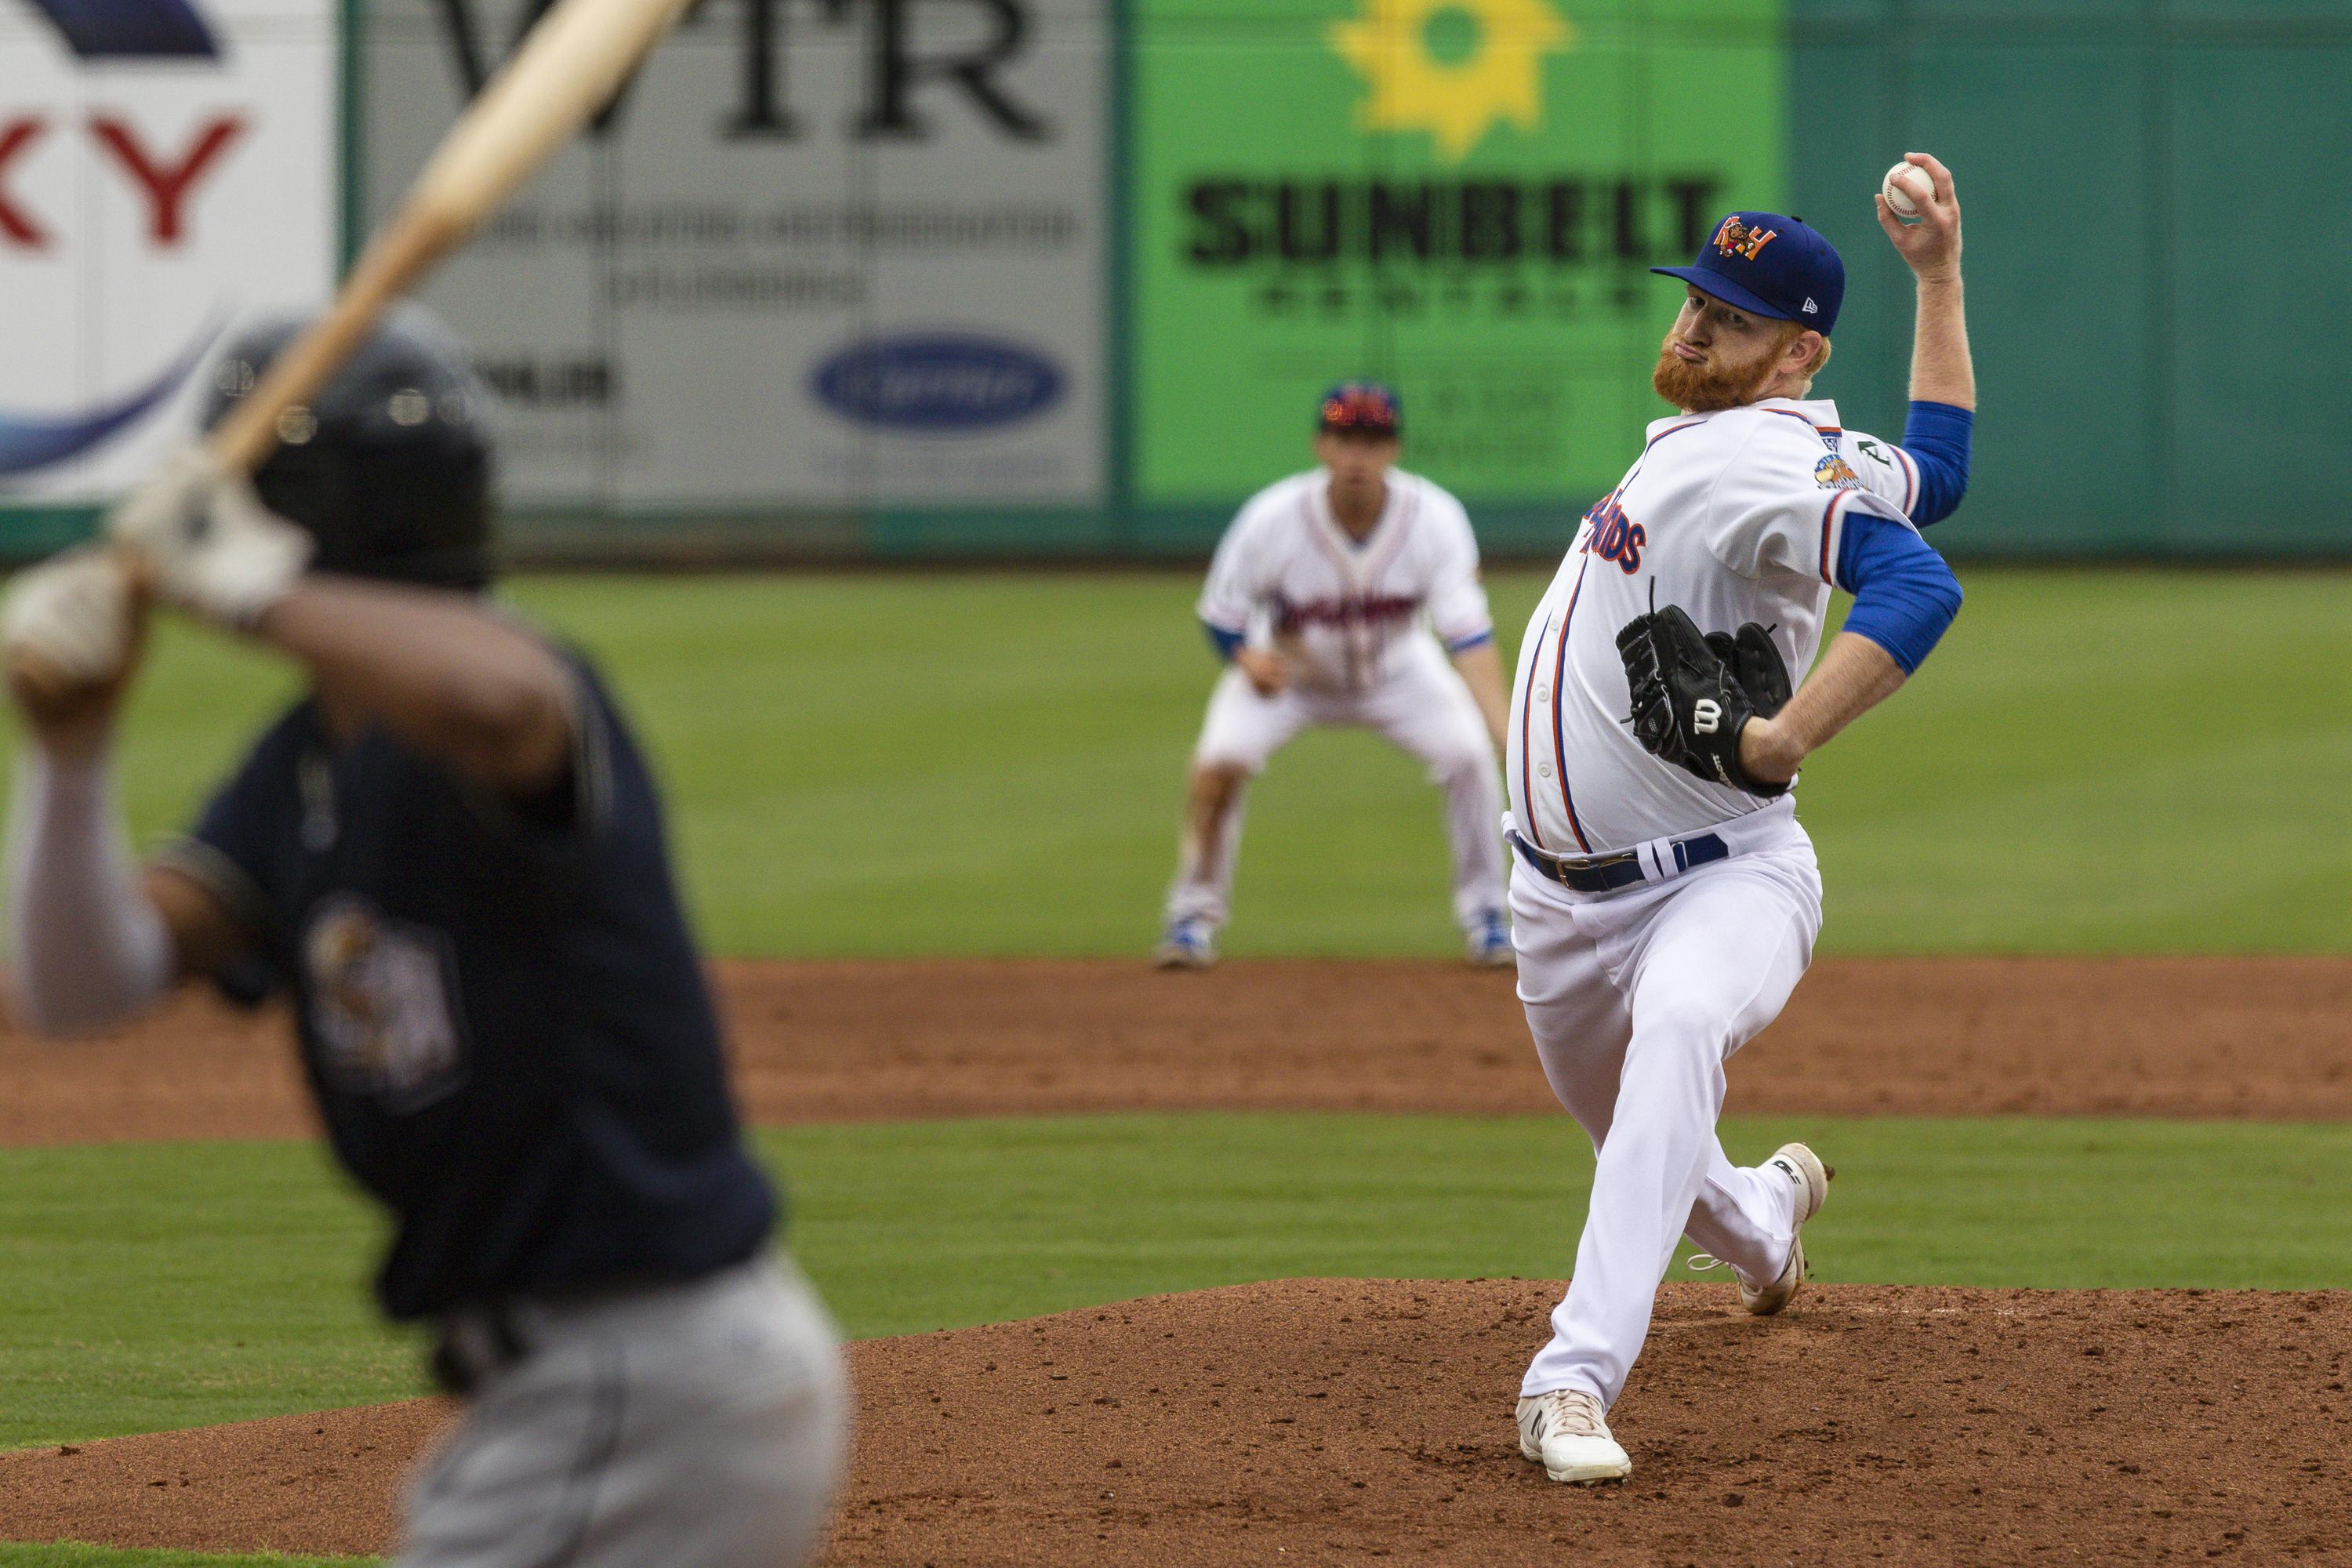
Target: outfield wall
{"points": [[2149, 266], [961, 279]]}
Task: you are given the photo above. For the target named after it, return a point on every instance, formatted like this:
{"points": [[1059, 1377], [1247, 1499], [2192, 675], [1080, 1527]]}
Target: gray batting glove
{"points": [[207, 542]]}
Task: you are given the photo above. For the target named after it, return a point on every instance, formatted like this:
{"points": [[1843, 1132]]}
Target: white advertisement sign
{"points": [[167, 167], [813, 256]]}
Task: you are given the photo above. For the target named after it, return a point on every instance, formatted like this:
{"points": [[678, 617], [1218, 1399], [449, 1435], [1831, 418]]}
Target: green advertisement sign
{"points": [[1460, 196]]}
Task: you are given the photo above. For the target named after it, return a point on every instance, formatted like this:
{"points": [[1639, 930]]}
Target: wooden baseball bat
{"points": [[567, 68]]}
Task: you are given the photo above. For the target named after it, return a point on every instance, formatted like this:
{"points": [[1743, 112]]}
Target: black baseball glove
{"points": [[1756, 664], [1694, 693]]}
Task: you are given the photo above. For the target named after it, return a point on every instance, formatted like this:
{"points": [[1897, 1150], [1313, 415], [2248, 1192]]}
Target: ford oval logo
{"points": [[942, 383]]}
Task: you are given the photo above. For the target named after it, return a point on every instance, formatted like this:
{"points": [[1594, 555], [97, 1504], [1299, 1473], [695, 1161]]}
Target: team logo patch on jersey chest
{"points": [[1835, 473], [380, 1006], [1615, 537]]}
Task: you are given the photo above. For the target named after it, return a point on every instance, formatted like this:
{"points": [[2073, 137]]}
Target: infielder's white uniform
{"points": [[1638, 997], [1362, 625]]}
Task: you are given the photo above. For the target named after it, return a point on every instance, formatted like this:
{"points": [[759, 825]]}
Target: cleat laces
{"points": [[1700, 1262], [1576, 1413]]}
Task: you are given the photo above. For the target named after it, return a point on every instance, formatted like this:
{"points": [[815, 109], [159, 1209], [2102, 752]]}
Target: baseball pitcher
{"points": [[450, 854], [1337, 597], [1664, 900]]}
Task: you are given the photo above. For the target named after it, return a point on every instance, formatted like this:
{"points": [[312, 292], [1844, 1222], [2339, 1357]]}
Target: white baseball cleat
{"points": [[1487, 945], [1188, 944], [1566, 1433], [1812, 1179]]}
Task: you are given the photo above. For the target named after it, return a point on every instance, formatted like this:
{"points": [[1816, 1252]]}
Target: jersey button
{"points": [[1544, 769], [1543, 693]]}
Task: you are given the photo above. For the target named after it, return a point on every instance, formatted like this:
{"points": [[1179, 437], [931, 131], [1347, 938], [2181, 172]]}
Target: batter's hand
{"points": [[1931, 245], [1268, 672], [75, 627], [207, 542]]}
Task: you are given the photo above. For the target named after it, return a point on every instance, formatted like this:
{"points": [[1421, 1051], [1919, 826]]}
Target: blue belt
{"points": [[1623, 870]]}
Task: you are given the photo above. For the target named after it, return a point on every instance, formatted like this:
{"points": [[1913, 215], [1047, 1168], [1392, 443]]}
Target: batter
{"points": [[449, 854], [1664, 900], [1338, 596]]}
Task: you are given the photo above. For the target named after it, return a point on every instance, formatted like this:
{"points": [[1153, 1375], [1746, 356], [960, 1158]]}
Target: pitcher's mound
{"points": [[1323, 1421]]}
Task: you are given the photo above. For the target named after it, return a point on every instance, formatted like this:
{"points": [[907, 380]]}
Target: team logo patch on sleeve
{"points": [[1834, 473], [379, 993]]}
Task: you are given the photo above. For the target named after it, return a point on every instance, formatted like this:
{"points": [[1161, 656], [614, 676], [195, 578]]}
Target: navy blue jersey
{"points": [[500, 1011]]}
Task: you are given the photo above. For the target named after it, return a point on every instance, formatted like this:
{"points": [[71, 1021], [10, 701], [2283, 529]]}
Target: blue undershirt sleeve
{"points": [[1936, 436], [1903, 595], [1226, 643]]}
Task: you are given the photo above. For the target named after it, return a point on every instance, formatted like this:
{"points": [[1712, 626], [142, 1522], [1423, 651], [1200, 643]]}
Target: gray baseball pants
{"points": [[696, 1425]]}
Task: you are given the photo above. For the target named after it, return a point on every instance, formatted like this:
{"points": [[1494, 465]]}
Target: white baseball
{"points": [[1906, 189]]}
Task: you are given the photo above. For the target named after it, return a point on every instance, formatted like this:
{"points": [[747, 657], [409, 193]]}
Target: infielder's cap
{"points": [[1770, 265], [1360, 409]]}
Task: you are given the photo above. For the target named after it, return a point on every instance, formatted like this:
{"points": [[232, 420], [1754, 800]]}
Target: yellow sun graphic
{"points": [[1452, 68]]}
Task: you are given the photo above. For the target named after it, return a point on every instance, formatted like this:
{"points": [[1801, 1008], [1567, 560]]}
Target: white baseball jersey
{"points": [[1735, 516], [1286, 574]]}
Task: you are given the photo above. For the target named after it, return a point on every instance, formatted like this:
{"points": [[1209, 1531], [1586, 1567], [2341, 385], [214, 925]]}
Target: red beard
{"points": [[1711, 387]]}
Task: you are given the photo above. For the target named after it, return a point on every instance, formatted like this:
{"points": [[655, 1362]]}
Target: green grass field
{"points": [[887, 765], [866, 764]]}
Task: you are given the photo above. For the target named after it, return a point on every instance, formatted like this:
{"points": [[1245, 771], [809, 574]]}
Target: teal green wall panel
{"points": [[2241, 14], [2145, 255], [2016, 13], [2260, 416], [1846, 125], [2065, 362]]}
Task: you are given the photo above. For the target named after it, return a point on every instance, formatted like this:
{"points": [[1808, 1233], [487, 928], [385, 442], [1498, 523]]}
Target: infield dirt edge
{"points": [[1338, 1419], [853, 1041]]}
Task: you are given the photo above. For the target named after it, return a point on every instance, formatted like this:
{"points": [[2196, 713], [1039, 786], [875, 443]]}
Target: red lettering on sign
{"points": [[15, 222], [166, 185]]}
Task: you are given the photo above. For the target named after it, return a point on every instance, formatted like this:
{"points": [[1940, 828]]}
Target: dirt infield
{"points": [[1327, 1421], [850, 1041]]}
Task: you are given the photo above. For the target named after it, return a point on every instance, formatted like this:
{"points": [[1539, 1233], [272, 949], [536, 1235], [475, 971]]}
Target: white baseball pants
{"points": [[1636, 999], [1423, 707]]}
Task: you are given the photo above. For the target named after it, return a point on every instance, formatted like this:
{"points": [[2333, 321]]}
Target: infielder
{"points": [[1335, 597], [1667, 900], [450, 852]]}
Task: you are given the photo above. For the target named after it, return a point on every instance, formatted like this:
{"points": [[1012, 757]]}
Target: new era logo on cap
{"points": [[1811, 309]]}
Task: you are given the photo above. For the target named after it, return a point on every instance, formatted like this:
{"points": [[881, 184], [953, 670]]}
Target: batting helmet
{"points": [[388, 468]]}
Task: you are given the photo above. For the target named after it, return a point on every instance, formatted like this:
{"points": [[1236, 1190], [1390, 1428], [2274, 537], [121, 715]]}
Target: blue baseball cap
{"points": [[1360, 409], [1770, 265]]}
